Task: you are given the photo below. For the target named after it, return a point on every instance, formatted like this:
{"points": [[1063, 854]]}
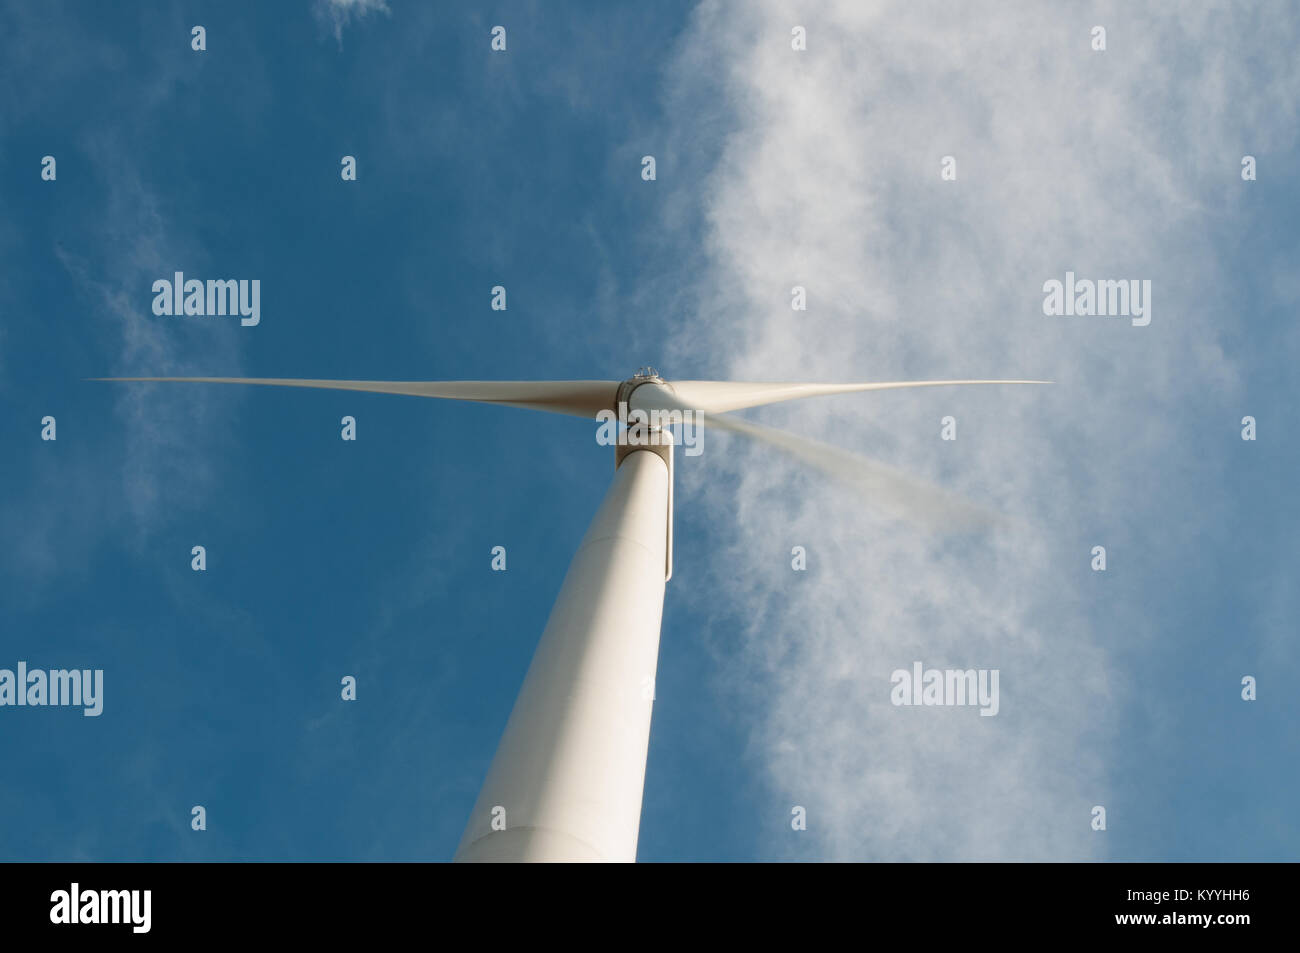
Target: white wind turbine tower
{"points": [[569, 771]]}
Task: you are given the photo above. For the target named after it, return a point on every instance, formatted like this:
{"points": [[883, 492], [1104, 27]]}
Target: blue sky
{"points": [[328, 558]]}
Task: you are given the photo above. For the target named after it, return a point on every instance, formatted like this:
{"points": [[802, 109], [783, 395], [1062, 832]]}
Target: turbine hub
{"points": [[643, 375]]}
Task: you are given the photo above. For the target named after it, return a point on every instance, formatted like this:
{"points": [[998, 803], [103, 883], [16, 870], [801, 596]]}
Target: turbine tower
{"points": [[568, 775]]}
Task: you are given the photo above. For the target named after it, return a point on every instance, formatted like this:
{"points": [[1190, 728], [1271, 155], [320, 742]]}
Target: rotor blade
{"points": [[719, 397], [895, 492], [577, 398]]}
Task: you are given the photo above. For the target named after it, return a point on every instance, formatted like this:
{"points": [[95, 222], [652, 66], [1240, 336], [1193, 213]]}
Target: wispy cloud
{"points": [[825, 172], [334, 15], [166, 455]]}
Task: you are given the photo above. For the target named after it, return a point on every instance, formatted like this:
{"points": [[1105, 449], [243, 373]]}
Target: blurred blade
{"points": [[578, 398], [895, 492], [719, 397]]}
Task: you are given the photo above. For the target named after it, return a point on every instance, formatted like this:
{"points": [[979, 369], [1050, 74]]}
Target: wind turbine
{"points": [[567, 778]]}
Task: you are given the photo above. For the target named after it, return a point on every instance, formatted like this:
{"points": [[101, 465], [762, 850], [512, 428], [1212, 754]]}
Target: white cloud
{"points": [[336, 14], [824, 172]]}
